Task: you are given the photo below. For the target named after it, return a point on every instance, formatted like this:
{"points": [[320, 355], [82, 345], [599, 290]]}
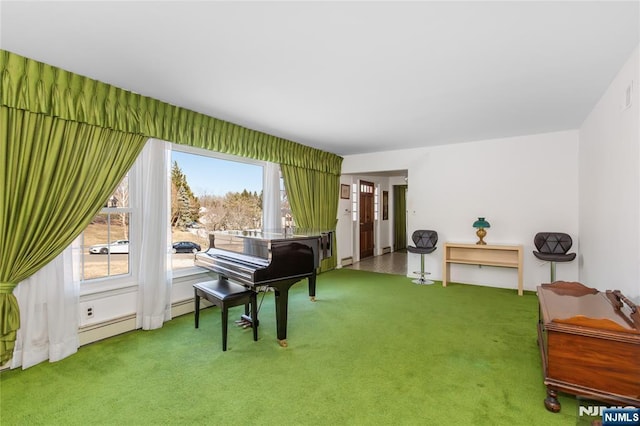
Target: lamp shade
{"points": [[481, 223]]}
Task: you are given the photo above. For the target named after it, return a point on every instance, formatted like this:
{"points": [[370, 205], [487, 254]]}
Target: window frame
{"points": [[130, 279], [186, 149]]}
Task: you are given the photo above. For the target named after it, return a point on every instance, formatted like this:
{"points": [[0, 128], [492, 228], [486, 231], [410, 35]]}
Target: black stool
{"points": [[425, 242], [553, 247], [226, 294]]}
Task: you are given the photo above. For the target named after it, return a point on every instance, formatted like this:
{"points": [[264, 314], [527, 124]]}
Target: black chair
{"points": [[553, 247], [425, 242]]}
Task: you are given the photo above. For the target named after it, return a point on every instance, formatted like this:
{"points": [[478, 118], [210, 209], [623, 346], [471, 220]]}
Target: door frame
{"points": [[366, 193]]}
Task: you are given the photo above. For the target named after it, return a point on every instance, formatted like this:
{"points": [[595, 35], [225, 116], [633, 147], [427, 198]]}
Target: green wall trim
{"points": [[40, 88]]}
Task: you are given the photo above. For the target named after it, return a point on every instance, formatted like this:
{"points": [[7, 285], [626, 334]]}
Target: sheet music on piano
{"points": [[278, 259]]}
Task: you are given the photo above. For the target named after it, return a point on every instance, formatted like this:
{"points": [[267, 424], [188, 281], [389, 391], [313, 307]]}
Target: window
{"points": [[354, 202], [105, 242], [376, 203], [211, 192]]}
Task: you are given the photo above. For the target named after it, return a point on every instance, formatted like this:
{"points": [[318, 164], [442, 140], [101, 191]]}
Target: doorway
{"points": [[366, 219]]}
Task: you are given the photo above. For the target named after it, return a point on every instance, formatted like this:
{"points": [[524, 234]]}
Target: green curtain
{"points": [[54, 177], [399, 217], [37, 87], [313, 196]]}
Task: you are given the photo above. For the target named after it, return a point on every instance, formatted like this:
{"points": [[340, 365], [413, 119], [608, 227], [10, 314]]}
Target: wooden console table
{"points": [[476, 254]]}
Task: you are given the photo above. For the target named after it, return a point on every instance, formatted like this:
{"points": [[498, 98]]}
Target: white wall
{"points": [[609, 179], [121, 303], [522, 185]]}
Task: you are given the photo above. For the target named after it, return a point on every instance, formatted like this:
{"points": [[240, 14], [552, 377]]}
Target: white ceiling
{"points": [[345, 77]]}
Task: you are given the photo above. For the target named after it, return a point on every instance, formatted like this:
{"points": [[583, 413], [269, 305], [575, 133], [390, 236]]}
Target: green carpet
{"points": [[374, 349]]}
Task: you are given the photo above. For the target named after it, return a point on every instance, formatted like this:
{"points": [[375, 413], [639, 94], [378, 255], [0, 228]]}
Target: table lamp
{"points": [[481, 233]]}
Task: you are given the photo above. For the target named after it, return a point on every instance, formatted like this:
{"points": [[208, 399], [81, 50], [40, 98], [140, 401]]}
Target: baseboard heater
{"points": [[105, 329], [102, 330], [184, 307], [346, 261], [386, 250]]}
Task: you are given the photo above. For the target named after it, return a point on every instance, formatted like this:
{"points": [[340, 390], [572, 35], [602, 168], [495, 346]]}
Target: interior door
{"points": [[366, 219]]}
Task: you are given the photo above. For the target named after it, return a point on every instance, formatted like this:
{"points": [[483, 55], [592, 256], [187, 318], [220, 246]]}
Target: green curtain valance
{"points": [[37, 87]]}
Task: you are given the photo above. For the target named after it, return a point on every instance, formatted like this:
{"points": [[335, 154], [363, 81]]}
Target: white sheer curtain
{"points": [[49, 311], [155, 277], [271, 201]]}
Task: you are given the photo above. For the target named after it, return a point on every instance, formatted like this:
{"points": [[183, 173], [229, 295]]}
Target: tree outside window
{"points": [[220, 200]]}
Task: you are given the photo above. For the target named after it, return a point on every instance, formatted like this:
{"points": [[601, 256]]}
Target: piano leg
{"points": [[312, 287], [281, 291], [282, 303]]}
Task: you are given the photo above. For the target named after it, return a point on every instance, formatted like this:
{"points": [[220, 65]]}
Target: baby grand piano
{"points": [[275, 259]]}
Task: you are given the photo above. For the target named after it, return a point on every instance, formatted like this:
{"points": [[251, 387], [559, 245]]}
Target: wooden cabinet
{"points": [[589, 344], [489, 255]]}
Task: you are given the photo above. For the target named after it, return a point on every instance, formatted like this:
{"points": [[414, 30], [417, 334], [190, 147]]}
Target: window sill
{"points": [[187, 272], [100, 288], [95, 290]]}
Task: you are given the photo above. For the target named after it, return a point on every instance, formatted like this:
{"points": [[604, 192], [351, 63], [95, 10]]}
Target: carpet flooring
{"points": [[374, 349]]}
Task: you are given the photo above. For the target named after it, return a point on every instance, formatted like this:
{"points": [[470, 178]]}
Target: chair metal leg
{"points": [[553, 271], [422, 279]]}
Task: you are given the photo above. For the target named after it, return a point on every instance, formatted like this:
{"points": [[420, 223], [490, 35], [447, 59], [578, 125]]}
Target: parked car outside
{"points": [[119, 247], [185, 247]]}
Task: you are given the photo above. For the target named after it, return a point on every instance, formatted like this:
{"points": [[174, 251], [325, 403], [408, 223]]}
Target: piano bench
{"points": [[225, 294]]}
